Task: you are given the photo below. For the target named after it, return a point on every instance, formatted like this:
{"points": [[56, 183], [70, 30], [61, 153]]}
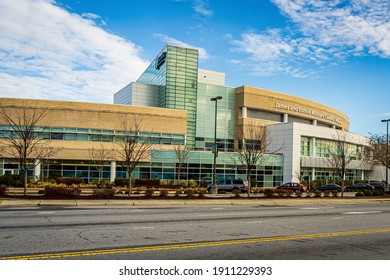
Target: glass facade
{"points": [[175, 71], [206, 114], [322, 148]]}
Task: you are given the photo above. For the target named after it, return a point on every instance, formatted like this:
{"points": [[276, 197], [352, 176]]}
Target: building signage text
{"points": [[306, 111]]}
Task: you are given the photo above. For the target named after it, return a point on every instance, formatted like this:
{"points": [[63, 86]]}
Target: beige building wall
{"points": [[65, 114], [266, 100]]}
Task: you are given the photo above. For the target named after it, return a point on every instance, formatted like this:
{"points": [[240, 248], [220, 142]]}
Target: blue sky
{"points": [[335, 52]]}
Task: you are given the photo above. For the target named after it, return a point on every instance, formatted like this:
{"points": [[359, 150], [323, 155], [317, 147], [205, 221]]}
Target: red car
{"points": [[296, 187]]}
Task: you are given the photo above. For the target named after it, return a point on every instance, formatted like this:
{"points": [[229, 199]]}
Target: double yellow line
{"points": [[191, 245]]}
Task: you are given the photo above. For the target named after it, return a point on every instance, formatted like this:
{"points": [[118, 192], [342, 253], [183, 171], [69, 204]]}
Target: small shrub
{"points": [[368, 193], [202, 193], [70, 181], [318, 193], [378, 192], [165, 183], [104, 193], [178, 193], [121, 182], [163, 193], [3, 190], [192, 183], [12, 180], [269, 192], [146, 182], [149, 192], [284, 193], [189, 192], [237, 192], [358, 194], [182, 183], [59, 192]]}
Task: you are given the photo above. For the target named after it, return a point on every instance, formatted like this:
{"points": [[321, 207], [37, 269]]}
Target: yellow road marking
{"points": [[191, 245]]}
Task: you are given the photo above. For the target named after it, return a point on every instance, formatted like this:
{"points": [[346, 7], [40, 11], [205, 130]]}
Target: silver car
{"points": [[230, 185]]}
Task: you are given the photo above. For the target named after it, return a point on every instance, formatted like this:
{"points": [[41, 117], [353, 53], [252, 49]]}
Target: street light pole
{"points": [[215, 148], [387, 153]]}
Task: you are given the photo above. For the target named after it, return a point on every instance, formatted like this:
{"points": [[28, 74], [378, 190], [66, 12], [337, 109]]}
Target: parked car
{"points": [[230, 185], [296, 187], [378, 185], [361, 186], [329, 187]]}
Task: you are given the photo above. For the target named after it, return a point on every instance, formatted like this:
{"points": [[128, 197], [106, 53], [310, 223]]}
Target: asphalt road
{"points": [[325, 232]]}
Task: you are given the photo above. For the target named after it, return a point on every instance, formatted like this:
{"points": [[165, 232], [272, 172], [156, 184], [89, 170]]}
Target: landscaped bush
{"points": [[269, 192], [192, 183], [149, 192], [318, 193], [102, 183], [58, 192], [284, 193], [70, 181], [378, 192], [368, 193], [359, 194], [12, 180], [164, 193], [201, 193], [3, 190], [104, 193], [146, 182], [189, 192], [237, 193]]}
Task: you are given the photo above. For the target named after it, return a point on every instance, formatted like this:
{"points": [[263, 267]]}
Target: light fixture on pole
{"points": [[215, 148], [387, 153]]}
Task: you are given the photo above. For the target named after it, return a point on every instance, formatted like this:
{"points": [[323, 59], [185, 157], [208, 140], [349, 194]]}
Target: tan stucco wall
{"points": [[104, 116], [98, 116], [267, 100]]}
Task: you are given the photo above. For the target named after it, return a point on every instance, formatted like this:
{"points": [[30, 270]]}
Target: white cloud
{"points": [[322, 33], [47, 52], [169, 40], [202, 7]]}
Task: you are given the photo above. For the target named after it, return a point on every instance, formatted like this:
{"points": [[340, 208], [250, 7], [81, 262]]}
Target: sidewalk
{"points": [[12, 202]]}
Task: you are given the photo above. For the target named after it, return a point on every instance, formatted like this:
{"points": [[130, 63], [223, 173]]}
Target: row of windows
{"points": [[265, 175], [83, 134], [324, 148], [327, 174]]}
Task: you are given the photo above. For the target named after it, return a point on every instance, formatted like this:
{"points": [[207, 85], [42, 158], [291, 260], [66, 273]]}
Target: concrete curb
{"points": [[187, 202]]}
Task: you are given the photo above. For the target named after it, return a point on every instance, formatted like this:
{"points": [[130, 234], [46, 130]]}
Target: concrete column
{"points": [[37, 170], [244, 112], [314, 122], [285, 118], [113, 171], [313, 147], [313, 174], [333, 126]]}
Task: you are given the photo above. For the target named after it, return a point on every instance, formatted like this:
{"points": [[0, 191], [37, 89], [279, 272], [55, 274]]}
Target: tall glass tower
{"points": [[175, 71]]}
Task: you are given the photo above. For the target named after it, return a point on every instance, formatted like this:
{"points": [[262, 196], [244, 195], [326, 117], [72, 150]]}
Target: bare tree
{"points": [[378, 149], [182, 153], [100, 156], [253, 144], [45, 154], [23, 137], [131, 146], [340, 155]]}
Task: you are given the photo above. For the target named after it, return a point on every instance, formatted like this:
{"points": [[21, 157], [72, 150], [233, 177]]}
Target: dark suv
{"points": [[230, 185], [378, 185], [361, 186]]}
